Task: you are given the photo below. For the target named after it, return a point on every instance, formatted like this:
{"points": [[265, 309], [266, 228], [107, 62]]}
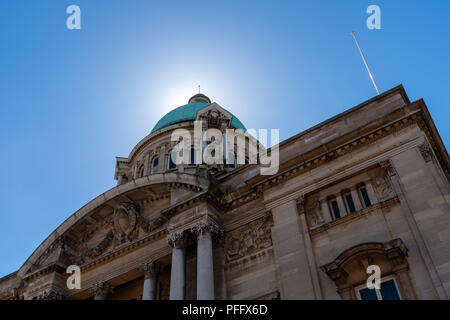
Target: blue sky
{"points": [[72, 100]]}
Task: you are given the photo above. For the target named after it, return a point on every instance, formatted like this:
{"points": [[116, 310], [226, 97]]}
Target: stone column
{"points": [[178, 272], [150, 269], [341, 205], [101, 290], [205, 266], [356, 200]]}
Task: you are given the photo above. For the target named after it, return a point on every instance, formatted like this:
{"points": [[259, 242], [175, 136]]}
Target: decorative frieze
{"points": [[425, 151], [249, 238], [101, 290], [124, 224], [49, 294]]}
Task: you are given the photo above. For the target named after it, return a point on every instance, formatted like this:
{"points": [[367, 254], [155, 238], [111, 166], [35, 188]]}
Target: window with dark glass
{"points": [[155, 164], [141, 171], [172, 164], [192, 157], [349, 202], [364, 197], [335, 209], [388, 291]]}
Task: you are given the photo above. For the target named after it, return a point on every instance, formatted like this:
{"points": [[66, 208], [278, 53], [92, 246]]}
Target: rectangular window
{"points": [[192, 157], [388, 291], [364, 197], [335, 209], [350, 204]]}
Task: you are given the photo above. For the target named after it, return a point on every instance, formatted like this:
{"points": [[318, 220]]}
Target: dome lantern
{"points": [[199, 97]]}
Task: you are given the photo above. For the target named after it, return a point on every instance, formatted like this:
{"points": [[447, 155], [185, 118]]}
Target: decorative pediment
{"points": [[214, 116]]}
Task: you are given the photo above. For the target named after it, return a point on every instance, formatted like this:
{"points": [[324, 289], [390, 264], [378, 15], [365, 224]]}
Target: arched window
{"points": [[349, 271], [155, 163], [172, 158], [141, 171]]}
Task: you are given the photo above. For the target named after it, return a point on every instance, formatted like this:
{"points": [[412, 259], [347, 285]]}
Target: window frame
{"points": [[333, 215], [169, 159], [141, 171], [378, 291], [344, 199], [153, 169], [363, 202]]}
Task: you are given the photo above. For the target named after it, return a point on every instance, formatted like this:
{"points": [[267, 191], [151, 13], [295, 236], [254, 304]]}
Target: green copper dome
{"points": [[188, 112]]}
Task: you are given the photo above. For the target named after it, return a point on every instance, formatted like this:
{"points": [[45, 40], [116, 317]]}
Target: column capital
{"points": [[101, 289], [300, 205], [177, 239], [205, 225], [150, 268], [386, 165]]}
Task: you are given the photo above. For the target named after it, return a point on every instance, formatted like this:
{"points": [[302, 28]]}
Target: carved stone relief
{"points": [[383, 187], [314, 213], [426, 152], [248, 239]]}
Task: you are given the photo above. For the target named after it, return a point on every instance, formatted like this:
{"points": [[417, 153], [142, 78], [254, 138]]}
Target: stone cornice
{"points": [[402, 121], [204, 196], [54, 267]]}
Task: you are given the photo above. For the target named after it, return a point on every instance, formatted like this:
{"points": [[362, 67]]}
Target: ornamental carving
{"points": [[205, 225], [150, 268], [249, 239], [49, 294], [314, 213], [101, 290], [215, 119], [177, 239], [425, 151], [124, 224], [101, 247], [383, 188], [150, 225], [388, 168]]}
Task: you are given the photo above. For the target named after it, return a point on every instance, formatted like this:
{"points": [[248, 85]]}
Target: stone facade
{"points": [[368, 186]]}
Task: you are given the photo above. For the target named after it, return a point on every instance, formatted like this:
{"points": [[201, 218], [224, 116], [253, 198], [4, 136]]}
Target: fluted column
{"points": [[204, 230], [101, 290], [178, 272], [150, 269]]}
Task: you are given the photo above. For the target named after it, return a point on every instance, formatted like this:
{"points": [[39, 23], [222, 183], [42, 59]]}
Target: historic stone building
{"points": [[369, 186]]}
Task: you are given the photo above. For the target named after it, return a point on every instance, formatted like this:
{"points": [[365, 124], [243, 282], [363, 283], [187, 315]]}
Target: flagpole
{"points": [[365, 62]]}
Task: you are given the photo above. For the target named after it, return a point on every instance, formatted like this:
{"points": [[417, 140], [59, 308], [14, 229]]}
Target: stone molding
{"points": [[258, 188]]}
